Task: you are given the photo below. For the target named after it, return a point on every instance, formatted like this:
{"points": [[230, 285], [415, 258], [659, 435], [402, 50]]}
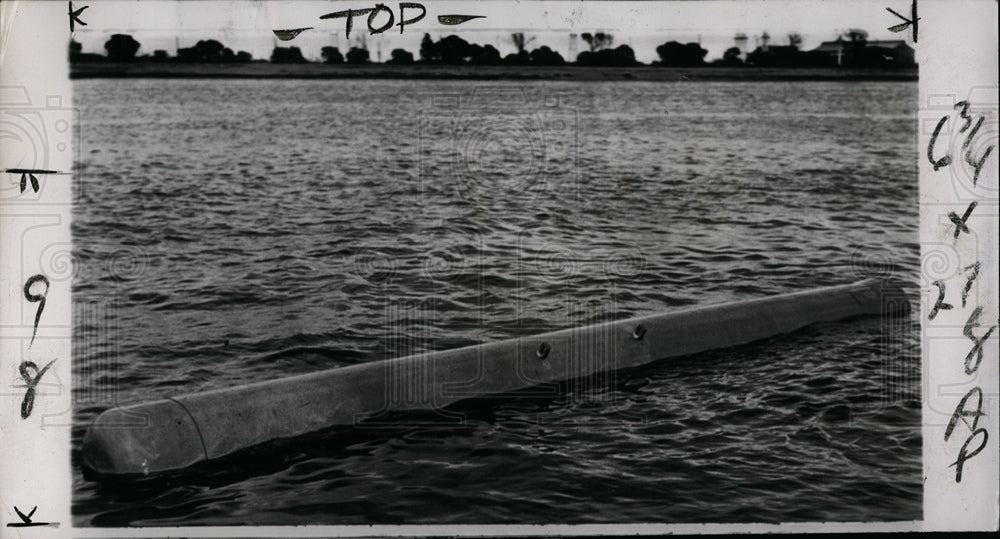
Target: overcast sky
{"points": [[247, 24]]}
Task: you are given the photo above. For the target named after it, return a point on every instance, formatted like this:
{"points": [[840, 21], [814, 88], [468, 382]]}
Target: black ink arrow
{"points": [[452, 20], [74, 17], [288, 35], [34, 181], [26, 520], [912, 21], [29, 174]]}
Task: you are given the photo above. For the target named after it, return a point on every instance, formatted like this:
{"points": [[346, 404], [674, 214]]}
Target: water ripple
{"points": [[322, 229]]}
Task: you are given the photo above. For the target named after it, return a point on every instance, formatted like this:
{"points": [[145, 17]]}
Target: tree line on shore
{"points": [[853, 51]]}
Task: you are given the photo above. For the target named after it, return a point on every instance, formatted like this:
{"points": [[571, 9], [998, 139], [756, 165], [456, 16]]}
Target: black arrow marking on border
{"points": [[74, 17], [288, 35], [452, 20], [29, 174], [26, 520], [912, 21]]}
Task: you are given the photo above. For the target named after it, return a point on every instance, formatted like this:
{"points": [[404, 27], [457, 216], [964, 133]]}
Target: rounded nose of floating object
{"points": [[144, 438], [174, 433]]}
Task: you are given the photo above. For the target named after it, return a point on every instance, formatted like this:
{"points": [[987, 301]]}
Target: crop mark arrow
{"points": [[24, 184], [452, 20], [26, 521], [288, 35], [912, 21], [28, 174], [74, 17]]}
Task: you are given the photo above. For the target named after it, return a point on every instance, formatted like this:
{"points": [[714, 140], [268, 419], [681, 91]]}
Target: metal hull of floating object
{"points": [[174, 433]]}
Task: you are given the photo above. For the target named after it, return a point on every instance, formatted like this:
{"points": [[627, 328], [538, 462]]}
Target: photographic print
{"points": [[334, 263]]}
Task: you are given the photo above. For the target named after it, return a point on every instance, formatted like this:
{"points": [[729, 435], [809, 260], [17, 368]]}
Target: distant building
{"points": [[902, 53], [763, 41], [740, 41], [836, 49]]}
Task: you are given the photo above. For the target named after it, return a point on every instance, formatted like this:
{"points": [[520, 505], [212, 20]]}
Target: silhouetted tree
{"points": [[121, 48], [401, 56], [75, 51], [332, 55], [244, 57], [731, 57], [484, 55], [188, 54], [674, 54], [545, 56], [209, 50], [856, 39], [517, 59], [357, 55], [76, 54], [795, 40], [453, 50], [598, 41], [622, 56], [160, 55], [287, 55], [456, 51], [428, 49], [783, 56], [520, 41], [855, 35], [814, 59]]}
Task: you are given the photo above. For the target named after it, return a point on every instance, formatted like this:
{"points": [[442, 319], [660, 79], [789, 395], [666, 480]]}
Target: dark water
{"points": [[235, 231]]}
